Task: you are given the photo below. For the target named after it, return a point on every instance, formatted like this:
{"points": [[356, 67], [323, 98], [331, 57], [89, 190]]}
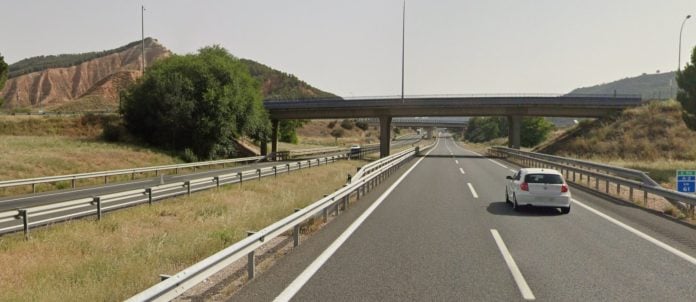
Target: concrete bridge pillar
{"points": [[274, 137], [514, 128], [384, 135], [430, 132]]}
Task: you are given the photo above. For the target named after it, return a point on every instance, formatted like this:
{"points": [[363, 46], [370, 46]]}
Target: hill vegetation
{"points": [[534, 130], [648, 86], [39, 63], [280, 85]]}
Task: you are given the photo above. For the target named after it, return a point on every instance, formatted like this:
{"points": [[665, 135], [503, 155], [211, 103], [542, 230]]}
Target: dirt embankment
{"points": [[102, 76]]}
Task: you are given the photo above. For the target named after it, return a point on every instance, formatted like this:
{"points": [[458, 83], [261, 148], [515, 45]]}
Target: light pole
{"points": [[403, 50], [142, 32], [680, 39]]}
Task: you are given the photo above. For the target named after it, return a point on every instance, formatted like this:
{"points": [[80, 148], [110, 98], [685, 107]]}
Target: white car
{"points": [[539, 188]]}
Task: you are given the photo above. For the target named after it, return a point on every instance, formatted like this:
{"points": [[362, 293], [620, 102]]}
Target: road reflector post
{"points": [[296, 233], [25, 220], [188, 187], [97, 200], [251, 261], [148, 191]]}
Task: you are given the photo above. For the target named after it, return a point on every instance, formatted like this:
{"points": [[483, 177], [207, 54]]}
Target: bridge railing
{"points": [[179, 283], [470, 95], [617, 182]]}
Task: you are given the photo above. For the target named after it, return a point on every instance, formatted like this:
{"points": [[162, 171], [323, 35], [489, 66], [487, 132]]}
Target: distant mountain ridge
{"points": [[648, 86]]}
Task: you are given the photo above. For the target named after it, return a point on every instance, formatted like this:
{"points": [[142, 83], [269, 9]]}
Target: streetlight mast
{"points": [[680, 40], [403, 50], [142, 32]]}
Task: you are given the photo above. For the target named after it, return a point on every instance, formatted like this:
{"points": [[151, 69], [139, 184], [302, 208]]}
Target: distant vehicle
{"points": [[355, 149], [539, 188]]}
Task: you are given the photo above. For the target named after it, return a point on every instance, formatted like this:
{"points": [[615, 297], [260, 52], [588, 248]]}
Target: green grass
{"points": [[124, 253]]}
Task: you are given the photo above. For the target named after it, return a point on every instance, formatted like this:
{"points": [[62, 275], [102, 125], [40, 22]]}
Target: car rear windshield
{"points": [[543, 178]]}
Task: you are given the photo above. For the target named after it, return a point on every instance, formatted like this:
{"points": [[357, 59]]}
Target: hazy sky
{"points": [[353, 47]]}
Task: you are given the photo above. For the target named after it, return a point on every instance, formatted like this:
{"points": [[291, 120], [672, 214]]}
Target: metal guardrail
{"points": [[184, 280], [106, 174], [574, 170], [60, 211]]}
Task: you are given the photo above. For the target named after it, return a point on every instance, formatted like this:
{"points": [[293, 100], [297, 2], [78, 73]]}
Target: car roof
{"points": [[539, 171]]}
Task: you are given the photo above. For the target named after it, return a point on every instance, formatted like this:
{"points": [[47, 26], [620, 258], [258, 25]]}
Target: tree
{"points": [[534, 130], [483, 129], [347, 124], [287, 130], [686, 79], [3, 72], [198, 101], [337, 133]]}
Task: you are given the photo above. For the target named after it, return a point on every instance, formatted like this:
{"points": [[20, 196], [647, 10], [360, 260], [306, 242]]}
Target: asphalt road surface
{"points": [[441, 231]]}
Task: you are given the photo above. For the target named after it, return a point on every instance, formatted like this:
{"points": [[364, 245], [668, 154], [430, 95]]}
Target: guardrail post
{"points": [[25, 220], [176, 170], [299, 165], [241, 177], [188, 187], [106, 179], [630, 194], [33, 188], [73, 182], [97, 200], [296, 233], [288, 166], [275, 172], [325, 212], [133, 176], [251, 261], [645, 198], [346, 201], [573, 175], [148, 191], [217, 181], [618, 189], [318, 162], [258, 171], [338, 205]]}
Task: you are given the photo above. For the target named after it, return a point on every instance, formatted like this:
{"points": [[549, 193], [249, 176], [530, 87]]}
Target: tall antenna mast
{"points": [[142, 32], [403, 50]]}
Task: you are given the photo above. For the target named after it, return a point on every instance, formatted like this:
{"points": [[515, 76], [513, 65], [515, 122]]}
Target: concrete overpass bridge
{"points": [[386, 108]]}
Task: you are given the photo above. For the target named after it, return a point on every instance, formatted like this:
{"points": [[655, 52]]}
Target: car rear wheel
{"points": [[565, 210], [507, 198]]}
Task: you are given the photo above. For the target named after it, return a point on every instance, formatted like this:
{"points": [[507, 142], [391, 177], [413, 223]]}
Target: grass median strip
{"points": [[124, 253]]}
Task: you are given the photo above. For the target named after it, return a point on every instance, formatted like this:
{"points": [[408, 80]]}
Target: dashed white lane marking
{"points": [[495, 162], [304, 277], [473, 192], [513, 170], [462, 170], [456, 161], [640, 234], [512, 266]]}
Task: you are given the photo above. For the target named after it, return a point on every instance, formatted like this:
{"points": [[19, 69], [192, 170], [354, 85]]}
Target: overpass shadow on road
{"points": [[502, 208], [453, 156]]}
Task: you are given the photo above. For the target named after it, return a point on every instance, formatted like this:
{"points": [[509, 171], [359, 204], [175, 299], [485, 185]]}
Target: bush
{"points": [[189, 156], [337, 133], [331, 124], [114, 132], [347, 124], [200, 102], [534, 130], [362, 125]]}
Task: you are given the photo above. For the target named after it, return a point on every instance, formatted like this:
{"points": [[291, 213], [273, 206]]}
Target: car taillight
{"points": [[564, 188], [524, 186]]}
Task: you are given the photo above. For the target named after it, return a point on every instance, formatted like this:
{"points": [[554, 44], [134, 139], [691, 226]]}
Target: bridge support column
{"points": [[430, 132], [384, 135], [514, 128], [274, 138]]}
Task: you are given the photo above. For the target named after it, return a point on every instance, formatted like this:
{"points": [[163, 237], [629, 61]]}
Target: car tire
{"points": [[507, 198], [565, 210], [515, 206]]}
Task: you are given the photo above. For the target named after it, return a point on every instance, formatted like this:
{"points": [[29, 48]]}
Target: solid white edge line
{"points": [[512, 266], [462, 170], [640, 234], [473, 192], [304, 277]]}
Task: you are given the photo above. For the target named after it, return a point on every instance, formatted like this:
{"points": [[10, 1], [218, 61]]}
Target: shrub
{"points": [[331, 125], [347, 124], [362, 125]]}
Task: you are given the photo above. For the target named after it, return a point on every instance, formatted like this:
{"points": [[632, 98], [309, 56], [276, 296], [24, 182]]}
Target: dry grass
{"points": [[86, 126], [117, 257]]}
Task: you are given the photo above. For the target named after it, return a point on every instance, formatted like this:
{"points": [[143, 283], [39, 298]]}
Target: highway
{"points": [[441, 231]]}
